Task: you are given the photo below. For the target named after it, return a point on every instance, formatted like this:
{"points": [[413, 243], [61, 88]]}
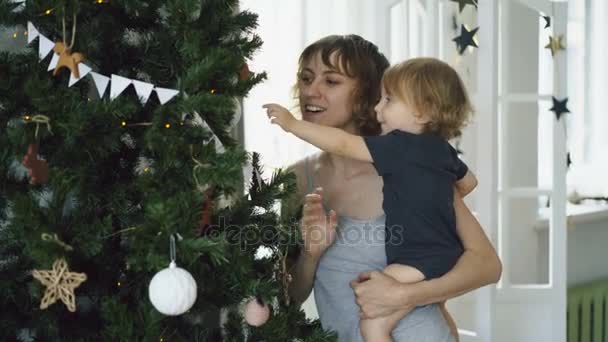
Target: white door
{"points": [[531, 297]]}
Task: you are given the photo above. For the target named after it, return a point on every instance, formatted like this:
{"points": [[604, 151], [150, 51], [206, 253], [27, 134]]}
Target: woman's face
{"points": [[326, 94]]}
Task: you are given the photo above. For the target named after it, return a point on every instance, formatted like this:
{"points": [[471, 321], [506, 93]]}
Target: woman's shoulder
{"points": [[305, 166]]}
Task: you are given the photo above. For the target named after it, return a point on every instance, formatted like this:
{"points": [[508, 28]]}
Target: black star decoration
{"points": [[547, 20], [465, 39], [559, 107], [463, 3]]}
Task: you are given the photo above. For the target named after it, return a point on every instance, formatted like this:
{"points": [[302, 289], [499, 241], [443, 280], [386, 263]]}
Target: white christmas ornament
{"points": [[172, 291]]}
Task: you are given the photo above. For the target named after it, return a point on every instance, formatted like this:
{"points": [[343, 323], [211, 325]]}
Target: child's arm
{"points": [[466, 184], [328, 139]]}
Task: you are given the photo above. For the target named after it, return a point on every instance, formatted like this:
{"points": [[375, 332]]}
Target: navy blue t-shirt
{"points": [[419, 172]]}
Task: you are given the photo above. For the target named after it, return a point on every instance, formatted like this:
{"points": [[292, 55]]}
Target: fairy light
{"points": [[123, 124], [48, 11], [167, 125], [14, 35], [118, 283], [212, 91], [146, 169], [28, 118]]}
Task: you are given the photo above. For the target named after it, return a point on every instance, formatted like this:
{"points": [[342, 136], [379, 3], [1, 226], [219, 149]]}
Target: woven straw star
{"points": [[60, 284]]}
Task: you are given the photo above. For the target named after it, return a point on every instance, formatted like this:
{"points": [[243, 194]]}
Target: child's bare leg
{"points": [[450, 321], [379, 329]]}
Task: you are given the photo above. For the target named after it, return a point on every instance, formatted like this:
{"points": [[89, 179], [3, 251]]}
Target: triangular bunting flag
{"points": [[32, 32], [54, 62], [19, 7], [219, 147], [165, 94], [83, 70], [45, 47], [143, 90], [119, 84], [101, 82]]}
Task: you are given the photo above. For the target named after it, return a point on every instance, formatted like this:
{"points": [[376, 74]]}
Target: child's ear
{"points": [[422, 119]]}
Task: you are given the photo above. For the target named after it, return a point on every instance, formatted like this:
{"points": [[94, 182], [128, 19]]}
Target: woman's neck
{"points": [[347, 167]]}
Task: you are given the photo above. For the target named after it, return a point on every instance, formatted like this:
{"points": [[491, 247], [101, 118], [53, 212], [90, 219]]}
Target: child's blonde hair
{"points": [[434, 89]]}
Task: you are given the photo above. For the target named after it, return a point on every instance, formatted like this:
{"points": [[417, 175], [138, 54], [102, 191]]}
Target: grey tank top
{"points": [[359, 247]]}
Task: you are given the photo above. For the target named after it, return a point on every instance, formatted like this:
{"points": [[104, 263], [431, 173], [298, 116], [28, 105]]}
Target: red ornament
{"points": [[38, 170]]}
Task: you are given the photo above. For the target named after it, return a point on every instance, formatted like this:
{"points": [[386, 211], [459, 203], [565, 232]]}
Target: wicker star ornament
{"points": [[60, 284]]}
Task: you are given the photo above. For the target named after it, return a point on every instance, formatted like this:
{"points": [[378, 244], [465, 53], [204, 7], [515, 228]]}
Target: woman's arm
{"points": [[379, 295]]}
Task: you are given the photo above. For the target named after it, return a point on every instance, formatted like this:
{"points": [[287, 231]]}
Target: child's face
{"points": [[393, 113]]}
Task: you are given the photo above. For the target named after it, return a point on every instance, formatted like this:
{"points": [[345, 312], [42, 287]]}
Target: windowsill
{"points": [[577, 214]]}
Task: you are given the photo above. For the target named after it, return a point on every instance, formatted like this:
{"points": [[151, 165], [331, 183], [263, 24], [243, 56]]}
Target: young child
{"points": [[423, 104]]}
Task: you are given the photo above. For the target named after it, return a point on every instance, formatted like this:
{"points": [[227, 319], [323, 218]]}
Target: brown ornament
{"points": [[244, 73], [204, 226], [67, 59], [38, 170]]}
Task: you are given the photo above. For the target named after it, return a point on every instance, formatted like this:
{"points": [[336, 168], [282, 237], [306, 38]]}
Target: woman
{"points": [[338, 85]]}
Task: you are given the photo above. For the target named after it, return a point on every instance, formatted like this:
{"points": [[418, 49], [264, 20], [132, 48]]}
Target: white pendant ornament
{"points": [[32, 32], [119, 84], [256, 312], [165, 94], [143, 90], [172, 291], [83, 69], [46, 45], [54, 62], [101, 83]]}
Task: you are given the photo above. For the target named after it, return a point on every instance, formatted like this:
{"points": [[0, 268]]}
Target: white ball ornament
{"points": [[256, 312], [172, 291]]}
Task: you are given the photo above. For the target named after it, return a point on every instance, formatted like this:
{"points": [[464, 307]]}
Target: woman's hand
{"points": [[279, 115], [379, 295], [318, 229]]}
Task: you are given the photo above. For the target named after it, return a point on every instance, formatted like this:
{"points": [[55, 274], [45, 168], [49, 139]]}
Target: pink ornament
{"points": [[256, 312]]}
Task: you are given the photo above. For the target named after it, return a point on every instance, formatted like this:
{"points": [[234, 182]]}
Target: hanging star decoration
{"points": [[67, 59], [465, 39], [555, 44], [547, 21], [60, 284], [463, 3], [559, 107]]}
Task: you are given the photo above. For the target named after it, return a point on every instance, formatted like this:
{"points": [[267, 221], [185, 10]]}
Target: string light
{"points": [[146, 169], [124, 124], [48, 11], [14, 35], [167, 125], [212, 91], [118, 284], [28, 118]]}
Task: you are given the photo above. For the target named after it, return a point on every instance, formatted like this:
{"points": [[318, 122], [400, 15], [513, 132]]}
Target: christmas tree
{"points": [[117, 157]]}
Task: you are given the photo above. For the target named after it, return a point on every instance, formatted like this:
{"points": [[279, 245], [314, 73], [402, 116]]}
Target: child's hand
{"points": [[279, 115]]}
